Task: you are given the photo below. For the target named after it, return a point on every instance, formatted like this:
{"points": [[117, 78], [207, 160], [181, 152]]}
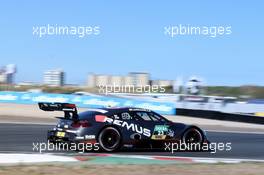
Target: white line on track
{"points": [[10, 158], [194, 159], [33, 158]]}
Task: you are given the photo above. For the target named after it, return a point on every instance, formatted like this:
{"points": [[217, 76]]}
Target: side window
{"points": [[153, 117], [144, 116], [156, 117]]}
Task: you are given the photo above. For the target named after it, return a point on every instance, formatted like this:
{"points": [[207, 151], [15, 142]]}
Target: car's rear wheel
{"points": [[109, 139], [193, 135]]}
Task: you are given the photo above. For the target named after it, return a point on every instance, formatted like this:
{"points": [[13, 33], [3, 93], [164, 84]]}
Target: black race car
{"points": [[116, 128]]}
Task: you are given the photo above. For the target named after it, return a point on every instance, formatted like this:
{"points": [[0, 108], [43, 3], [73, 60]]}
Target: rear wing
{"points": [[70, 110]]}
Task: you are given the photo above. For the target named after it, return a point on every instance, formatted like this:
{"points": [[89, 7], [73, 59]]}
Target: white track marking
{"points": [[194, 159], [33, 158], [15, 158]]}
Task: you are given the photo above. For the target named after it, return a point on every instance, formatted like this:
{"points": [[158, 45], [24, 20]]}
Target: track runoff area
{"points": [[27, 125], [17, 146]]}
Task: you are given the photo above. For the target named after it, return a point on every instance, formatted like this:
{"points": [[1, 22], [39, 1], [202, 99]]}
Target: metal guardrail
{"points": [[208, 114]]}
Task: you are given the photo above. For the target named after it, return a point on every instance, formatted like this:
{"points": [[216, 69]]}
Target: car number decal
{"points": [[160, 132], [60, 134]]}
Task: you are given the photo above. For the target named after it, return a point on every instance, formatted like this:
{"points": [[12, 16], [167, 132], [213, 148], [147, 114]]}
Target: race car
{"points": [[117, 128]]}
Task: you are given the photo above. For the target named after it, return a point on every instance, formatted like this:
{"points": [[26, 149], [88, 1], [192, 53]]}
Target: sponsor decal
{"points": [[60, 134], [158, 137], [155, 107], [100, 118], [116, 117], [8, 97], [161, 128], [139, 109], [79, 138], [87, 101], [125, 116], [129, 126], [128, 145], [170, 133], [89, 136], [160, 132]]}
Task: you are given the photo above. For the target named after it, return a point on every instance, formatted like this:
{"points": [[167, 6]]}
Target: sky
{"points": [[132, 38]]}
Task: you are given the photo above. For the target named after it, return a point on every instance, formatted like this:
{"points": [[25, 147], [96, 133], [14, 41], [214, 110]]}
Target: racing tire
{"points": [[109, 139], [193, 136]]}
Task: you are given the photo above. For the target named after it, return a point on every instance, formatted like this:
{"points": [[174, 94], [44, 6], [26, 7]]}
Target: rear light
{"points": [[82, 123], [70, 105]]}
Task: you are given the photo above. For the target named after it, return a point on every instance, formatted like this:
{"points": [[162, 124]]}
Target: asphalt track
{"points": [[19, 138]]}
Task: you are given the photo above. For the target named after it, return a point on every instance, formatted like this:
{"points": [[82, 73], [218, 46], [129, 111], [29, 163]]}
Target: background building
{"points": [[164, 83], [128, 80], [116, 80], [102, 80], [91, 80], [7, 74], [133, 78], [140, 78], [54, 78]]}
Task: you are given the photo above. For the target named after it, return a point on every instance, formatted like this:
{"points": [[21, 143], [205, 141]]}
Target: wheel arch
{"points": [[194, 127], [106, 126]]}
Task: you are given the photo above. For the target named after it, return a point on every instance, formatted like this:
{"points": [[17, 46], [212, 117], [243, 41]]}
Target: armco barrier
{"points": [[86, 101], [220, 115]]}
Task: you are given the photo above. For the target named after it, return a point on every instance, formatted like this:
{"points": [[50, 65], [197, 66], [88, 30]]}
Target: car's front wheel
{"points": [[193, 136], [109, 139]]}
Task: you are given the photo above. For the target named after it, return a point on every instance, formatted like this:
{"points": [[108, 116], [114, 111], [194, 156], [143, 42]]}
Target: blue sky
{"points": [[132, 39]]}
